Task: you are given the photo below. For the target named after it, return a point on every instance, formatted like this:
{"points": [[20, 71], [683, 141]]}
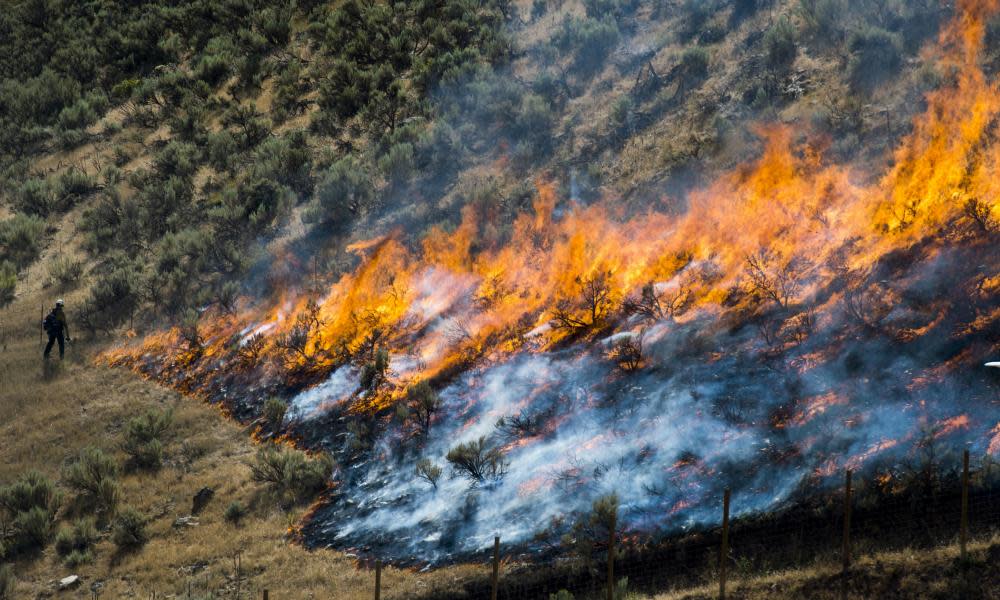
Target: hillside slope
{"points": [[347, 224]]}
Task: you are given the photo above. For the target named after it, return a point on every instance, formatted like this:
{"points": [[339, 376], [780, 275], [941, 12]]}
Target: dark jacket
{"points": [[61, 325]]}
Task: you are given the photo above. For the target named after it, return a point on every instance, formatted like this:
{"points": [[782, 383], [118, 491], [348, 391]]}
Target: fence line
{"points": [[984, 504]]}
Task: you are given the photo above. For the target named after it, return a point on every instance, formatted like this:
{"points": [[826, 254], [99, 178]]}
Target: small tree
{"points": [[478, 461], [590, 533], [273, 414], [373, 373], [290, 474], [419, 407], [626, 352], [428, 471], [591, 308], [128, 530], [142, 439], [93, 478]]}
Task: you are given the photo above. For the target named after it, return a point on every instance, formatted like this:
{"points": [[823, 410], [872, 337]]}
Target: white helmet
{"points": [[60, 302]]}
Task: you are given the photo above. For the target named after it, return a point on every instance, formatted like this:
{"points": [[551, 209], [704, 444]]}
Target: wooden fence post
{"points": [[963, 536], [724, 550], [611, 555], [496, 568], [378, 580], [846, 550]]}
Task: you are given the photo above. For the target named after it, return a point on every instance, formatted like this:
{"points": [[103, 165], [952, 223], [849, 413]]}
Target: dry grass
{"points": [[916, 574], [48, 414]]}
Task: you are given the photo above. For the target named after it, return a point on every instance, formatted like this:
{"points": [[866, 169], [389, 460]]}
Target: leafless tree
{"points": [[250, 351], [627, 353], [595, 302], [302, 345], [867, 305], [658, 306], [982, 215], [777, 282]]}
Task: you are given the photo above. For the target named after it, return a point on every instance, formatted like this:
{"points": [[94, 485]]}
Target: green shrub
{"points": [[274, 414], [7, 582], [342, 193], [590, 39], [113, 298], [78, 557], [31, 490], [8, 282], [289, 473], [32, 529], [780, 44], [235, 512], [21, 239], [71, 186], [212, 68], [92, 477], [875, 56], [821, 17], [35, 197], [397, 164], [694, 62], [128, 530], [79, 537], [64, 270], [142, 438]]}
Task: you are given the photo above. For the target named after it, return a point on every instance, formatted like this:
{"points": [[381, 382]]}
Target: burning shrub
{"points": [[250, 352], [142, 440], [373, 373], [92, 477], [656, 305], [302, 346], [982, 215], [128, 531], [626, 352], [591, 308], [524, 424], [772, 278], [428, 471], [478, 460], [290, 474], [419, 408]]}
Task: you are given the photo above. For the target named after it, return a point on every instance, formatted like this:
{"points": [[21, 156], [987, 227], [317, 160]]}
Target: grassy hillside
{"points": [[163, 162]]}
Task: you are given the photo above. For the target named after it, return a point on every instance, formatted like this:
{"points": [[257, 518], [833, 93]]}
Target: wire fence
{"points": [[862, 519]]}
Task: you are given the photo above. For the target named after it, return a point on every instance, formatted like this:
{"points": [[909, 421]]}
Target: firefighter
{"points": [[55, 325]]}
